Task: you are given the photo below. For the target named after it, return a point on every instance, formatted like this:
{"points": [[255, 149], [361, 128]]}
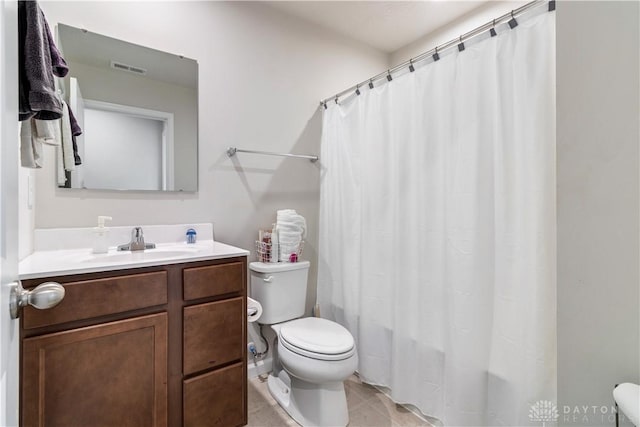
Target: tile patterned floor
{"points": [[368, 407]]}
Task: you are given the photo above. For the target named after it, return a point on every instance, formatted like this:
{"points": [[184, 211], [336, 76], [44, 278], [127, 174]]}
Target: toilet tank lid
{"points": [[275, 267]]}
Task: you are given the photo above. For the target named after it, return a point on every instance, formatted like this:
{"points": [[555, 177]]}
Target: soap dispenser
{"points": [[101, 236]]}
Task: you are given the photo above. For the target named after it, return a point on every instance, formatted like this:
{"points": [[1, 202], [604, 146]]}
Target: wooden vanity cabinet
{"points": [[157, 346]]}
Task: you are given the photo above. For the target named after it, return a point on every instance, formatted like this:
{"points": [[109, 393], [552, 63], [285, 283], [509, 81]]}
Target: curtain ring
{"points": [[370, 83], [358, 89], [411, 67], [389, 78], [512, 22], [336, 100], [493, 29]]}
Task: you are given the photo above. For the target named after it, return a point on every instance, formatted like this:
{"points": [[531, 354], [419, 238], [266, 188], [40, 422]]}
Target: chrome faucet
{"points": [[137, 242]]}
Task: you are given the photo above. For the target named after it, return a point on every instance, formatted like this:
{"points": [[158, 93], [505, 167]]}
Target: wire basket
{"points": [[264, 251]]}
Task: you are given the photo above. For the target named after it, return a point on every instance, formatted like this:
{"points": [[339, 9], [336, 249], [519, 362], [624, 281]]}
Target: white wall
{"points": [[262, 75], [122, 151], [477, 17], [598, 217]]}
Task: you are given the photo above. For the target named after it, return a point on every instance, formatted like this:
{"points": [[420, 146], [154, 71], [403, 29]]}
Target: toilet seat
{"points": [[317, 338]]}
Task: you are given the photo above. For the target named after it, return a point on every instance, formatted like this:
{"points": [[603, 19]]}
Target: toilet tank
{"points": [[281, 289]]}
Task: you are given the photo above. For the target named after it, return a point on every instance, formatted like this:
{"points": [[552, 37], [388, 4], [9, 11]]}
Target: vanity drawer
{"points": [[213, 334], [217, 398], [100, 297], [201, 282]]}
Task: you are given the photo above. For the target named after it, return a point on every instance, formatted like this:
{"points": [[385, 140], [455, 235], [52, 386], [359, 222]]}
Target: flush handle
{"points": [[268, 279], [43, 296]]}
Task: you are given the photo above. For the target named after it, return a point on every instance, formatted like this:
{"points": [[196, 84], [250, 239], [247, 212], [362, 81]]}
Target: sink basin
{"points": [[146, 255]]}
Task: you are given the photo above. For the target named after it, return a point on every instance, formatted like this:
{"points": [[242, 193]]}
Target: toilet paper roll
{"points": [[254, 310]]}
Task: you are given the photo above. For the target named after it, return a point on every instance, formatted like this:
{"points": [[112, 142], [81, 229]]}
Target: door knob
{"points": [[43, 296]]}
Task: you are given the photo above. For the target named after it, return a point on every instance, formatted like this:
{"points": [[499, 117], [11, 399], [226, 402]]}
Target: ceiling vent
{"points": [[129, 68]]}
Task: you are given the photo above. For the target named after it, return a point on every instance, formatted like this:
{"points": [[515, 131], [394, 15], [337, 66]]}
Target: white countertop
{"points": [[65, 262]]}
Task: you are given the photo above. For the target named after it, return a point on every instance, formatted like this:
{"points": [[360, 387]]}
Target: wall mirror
{"points": [[138, 109]]}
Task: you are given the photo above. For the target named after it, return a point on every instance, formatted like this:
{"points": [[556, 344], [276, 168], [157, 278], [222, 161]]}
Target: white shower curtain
{"points": [[437, 229]]}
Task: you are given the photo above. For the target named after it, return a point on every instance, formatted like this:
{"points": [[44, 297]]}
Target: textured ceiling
{"points": [[384, 25]]}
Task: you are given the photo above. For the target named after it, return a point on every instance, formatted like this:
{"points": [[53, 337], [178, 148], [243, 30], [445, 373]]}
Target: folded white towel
{"points": [[289, 219], [292, 232], [292, 229], [288, 223], [289, 237]]}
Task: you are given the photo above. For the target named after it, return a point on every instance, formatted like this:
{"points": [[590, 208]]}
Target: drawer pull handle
{"points": [[268, 279]]}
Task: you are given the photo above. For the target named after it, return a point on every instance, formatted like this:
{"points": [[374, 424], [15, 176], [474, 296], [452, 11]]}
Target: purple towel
{"points": [[37, 53], [77, 160], [76, 130], [58, 64]]}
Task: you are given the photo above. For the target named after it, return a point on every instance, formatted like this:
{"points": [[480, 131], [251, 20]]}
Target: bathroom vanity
{"points": [[146, 343]]}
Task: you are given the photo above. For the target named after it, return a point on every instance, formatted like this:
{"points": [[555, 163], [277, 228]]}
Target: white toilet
{"points": [[312, 357]]}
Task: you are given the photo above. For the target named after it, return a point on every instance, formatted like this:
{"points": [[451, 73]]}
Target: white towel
{"points": [[30, 147], [291, 220], [289, 235], [67, 139], [284, 226], [60, 175], [34, 133], [46, 131], [292, 229], [286, 212]]}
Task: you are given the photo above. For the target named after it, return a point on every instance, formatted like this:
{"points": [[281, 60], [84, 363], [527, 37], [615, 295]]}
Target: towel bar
{"points": [[231, 151]]}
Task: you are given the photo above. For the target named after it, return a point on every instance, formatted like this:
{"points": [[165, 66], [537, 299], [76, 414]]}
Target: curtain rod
{"points": [[434, 53]]}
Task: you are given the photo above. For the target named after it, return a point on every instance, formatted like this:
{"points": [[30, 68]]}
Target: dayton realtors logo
{"points": [[543, 411], [590, 414]]}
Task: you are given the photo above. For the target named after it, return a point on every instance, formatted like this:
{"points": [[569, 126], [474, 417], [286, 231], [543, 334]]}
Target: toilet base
{"points": [[310, 405]]}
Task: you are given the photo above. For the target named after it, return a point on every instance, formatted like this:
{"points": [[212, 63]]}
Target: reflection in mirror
{"points": [[138, 109]]}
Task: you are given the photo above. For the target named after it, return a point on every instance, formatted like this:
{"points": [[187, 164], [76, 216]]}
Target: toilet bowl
{"points": [[312, 356], [316, 356]]}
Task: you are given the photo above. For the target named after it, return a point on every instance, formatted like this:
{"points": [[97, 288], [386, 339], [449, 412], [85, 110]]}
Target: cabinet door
{"points": [[216, 399], [113, 374]]}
